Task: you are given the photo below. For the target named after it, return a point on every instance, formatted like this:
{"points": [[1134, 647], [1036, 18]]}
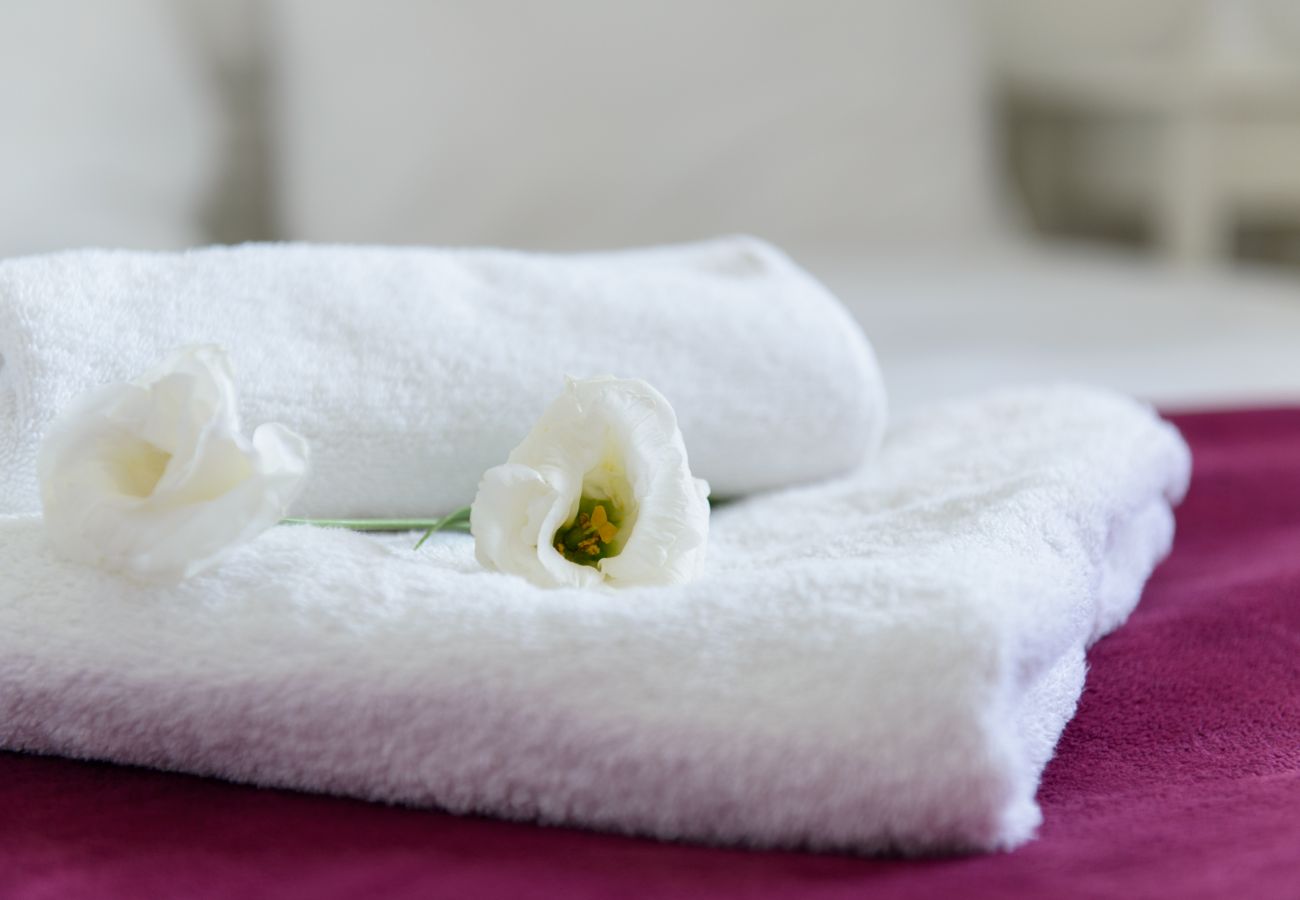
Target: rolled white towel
{"points": [[411, 371], [881, 662]]}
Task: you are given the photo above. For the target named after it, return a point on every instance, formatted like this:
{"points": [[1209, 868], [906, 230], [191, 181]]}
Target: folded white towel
{"points": [[883, 662], [412, 371]]}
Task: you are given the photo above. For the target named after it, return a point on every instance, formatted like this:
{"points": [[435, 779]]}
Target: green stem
{"points": [[456, 521], [366, 524]]}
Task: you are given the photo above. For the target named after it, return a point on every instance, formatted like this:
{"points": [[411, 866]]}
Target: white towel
{"points": [[412, 371], [884, 662]]}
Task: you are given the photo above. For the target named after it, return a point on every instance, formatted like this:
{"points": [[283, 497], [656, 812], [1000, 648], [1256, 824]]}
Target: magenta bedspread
{"points": [[1179, 777]]}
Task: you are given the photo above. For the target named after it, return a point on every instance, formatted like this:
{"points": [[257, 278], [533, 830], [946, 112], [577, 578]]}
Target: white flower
{"points": [[599, 492], [153, 478]]}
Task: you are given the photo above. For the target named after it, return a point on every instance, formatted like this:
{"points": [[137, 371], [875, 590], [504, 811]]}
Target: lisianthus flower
{"points": [[599, 493], [153, 478]]}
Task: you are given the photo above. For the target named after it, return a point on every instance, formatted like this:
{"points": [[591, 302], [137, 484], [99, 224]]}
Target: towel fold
{"points": [[883, 662], [411, 371]]}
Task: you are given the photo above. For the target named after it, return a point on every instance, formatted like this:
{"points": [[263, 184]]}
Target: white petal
{"points": [[602, 437], [153, 478], [513, 520]]}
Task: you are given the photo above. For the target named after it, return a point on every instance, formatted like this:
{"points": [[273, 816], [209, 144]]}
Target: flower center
{"points": [[593, 533], [139, 468]]}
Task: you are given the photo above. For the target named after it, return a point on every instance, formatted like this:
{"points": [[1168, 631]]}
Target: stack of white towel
{"points": [[880, 661]]}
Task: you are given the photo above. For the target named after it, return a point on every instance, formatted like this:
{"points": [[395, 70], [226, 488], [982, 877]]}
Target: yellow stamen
{"points": [[590, 536]]}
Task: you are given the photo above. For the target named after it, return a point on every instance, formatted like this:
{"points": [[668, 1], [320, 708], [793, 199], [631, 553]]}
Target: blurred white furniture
{"points": [[854, 132], [1180, 115], [111, 129], [585, 123], [947, 325], [569, 124]]}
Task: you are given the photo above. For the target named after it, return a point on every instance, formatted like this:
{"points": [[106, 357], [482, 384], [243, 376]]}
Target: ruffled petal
{"points": [[608, 441], [153, 479]]}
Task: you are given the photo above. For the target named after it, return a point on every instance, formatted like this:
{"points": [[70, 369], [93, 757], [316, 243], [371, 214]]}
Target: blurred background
{"points": [[1000, 190]]}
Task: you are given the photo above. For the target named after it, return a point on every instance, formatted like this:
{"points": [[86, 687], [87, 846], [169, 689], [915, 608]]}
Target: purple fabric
{"points": [[1179, 777]]}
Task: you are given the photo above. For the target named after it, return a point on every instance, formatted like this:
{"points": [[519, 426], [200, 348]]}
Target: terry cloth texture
{"points": [[880, 663], [412, 371]]}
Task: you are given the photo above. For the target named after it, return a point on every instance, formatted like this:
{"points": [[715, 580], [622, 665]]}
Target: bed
{"points": [[962, 323], [1179, 776]]}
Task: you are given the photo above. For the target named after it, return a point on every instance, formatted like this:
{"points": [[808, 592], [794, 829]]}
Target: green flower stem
{"points": [[459, 520], [456, 521], [367, 524]]}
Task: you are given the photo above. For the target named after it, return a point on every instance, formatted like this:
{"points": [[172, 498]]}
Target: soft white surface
{"points": [[583, 123], [885, 661], [110, 126], [946, 326], [411, 372]]}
